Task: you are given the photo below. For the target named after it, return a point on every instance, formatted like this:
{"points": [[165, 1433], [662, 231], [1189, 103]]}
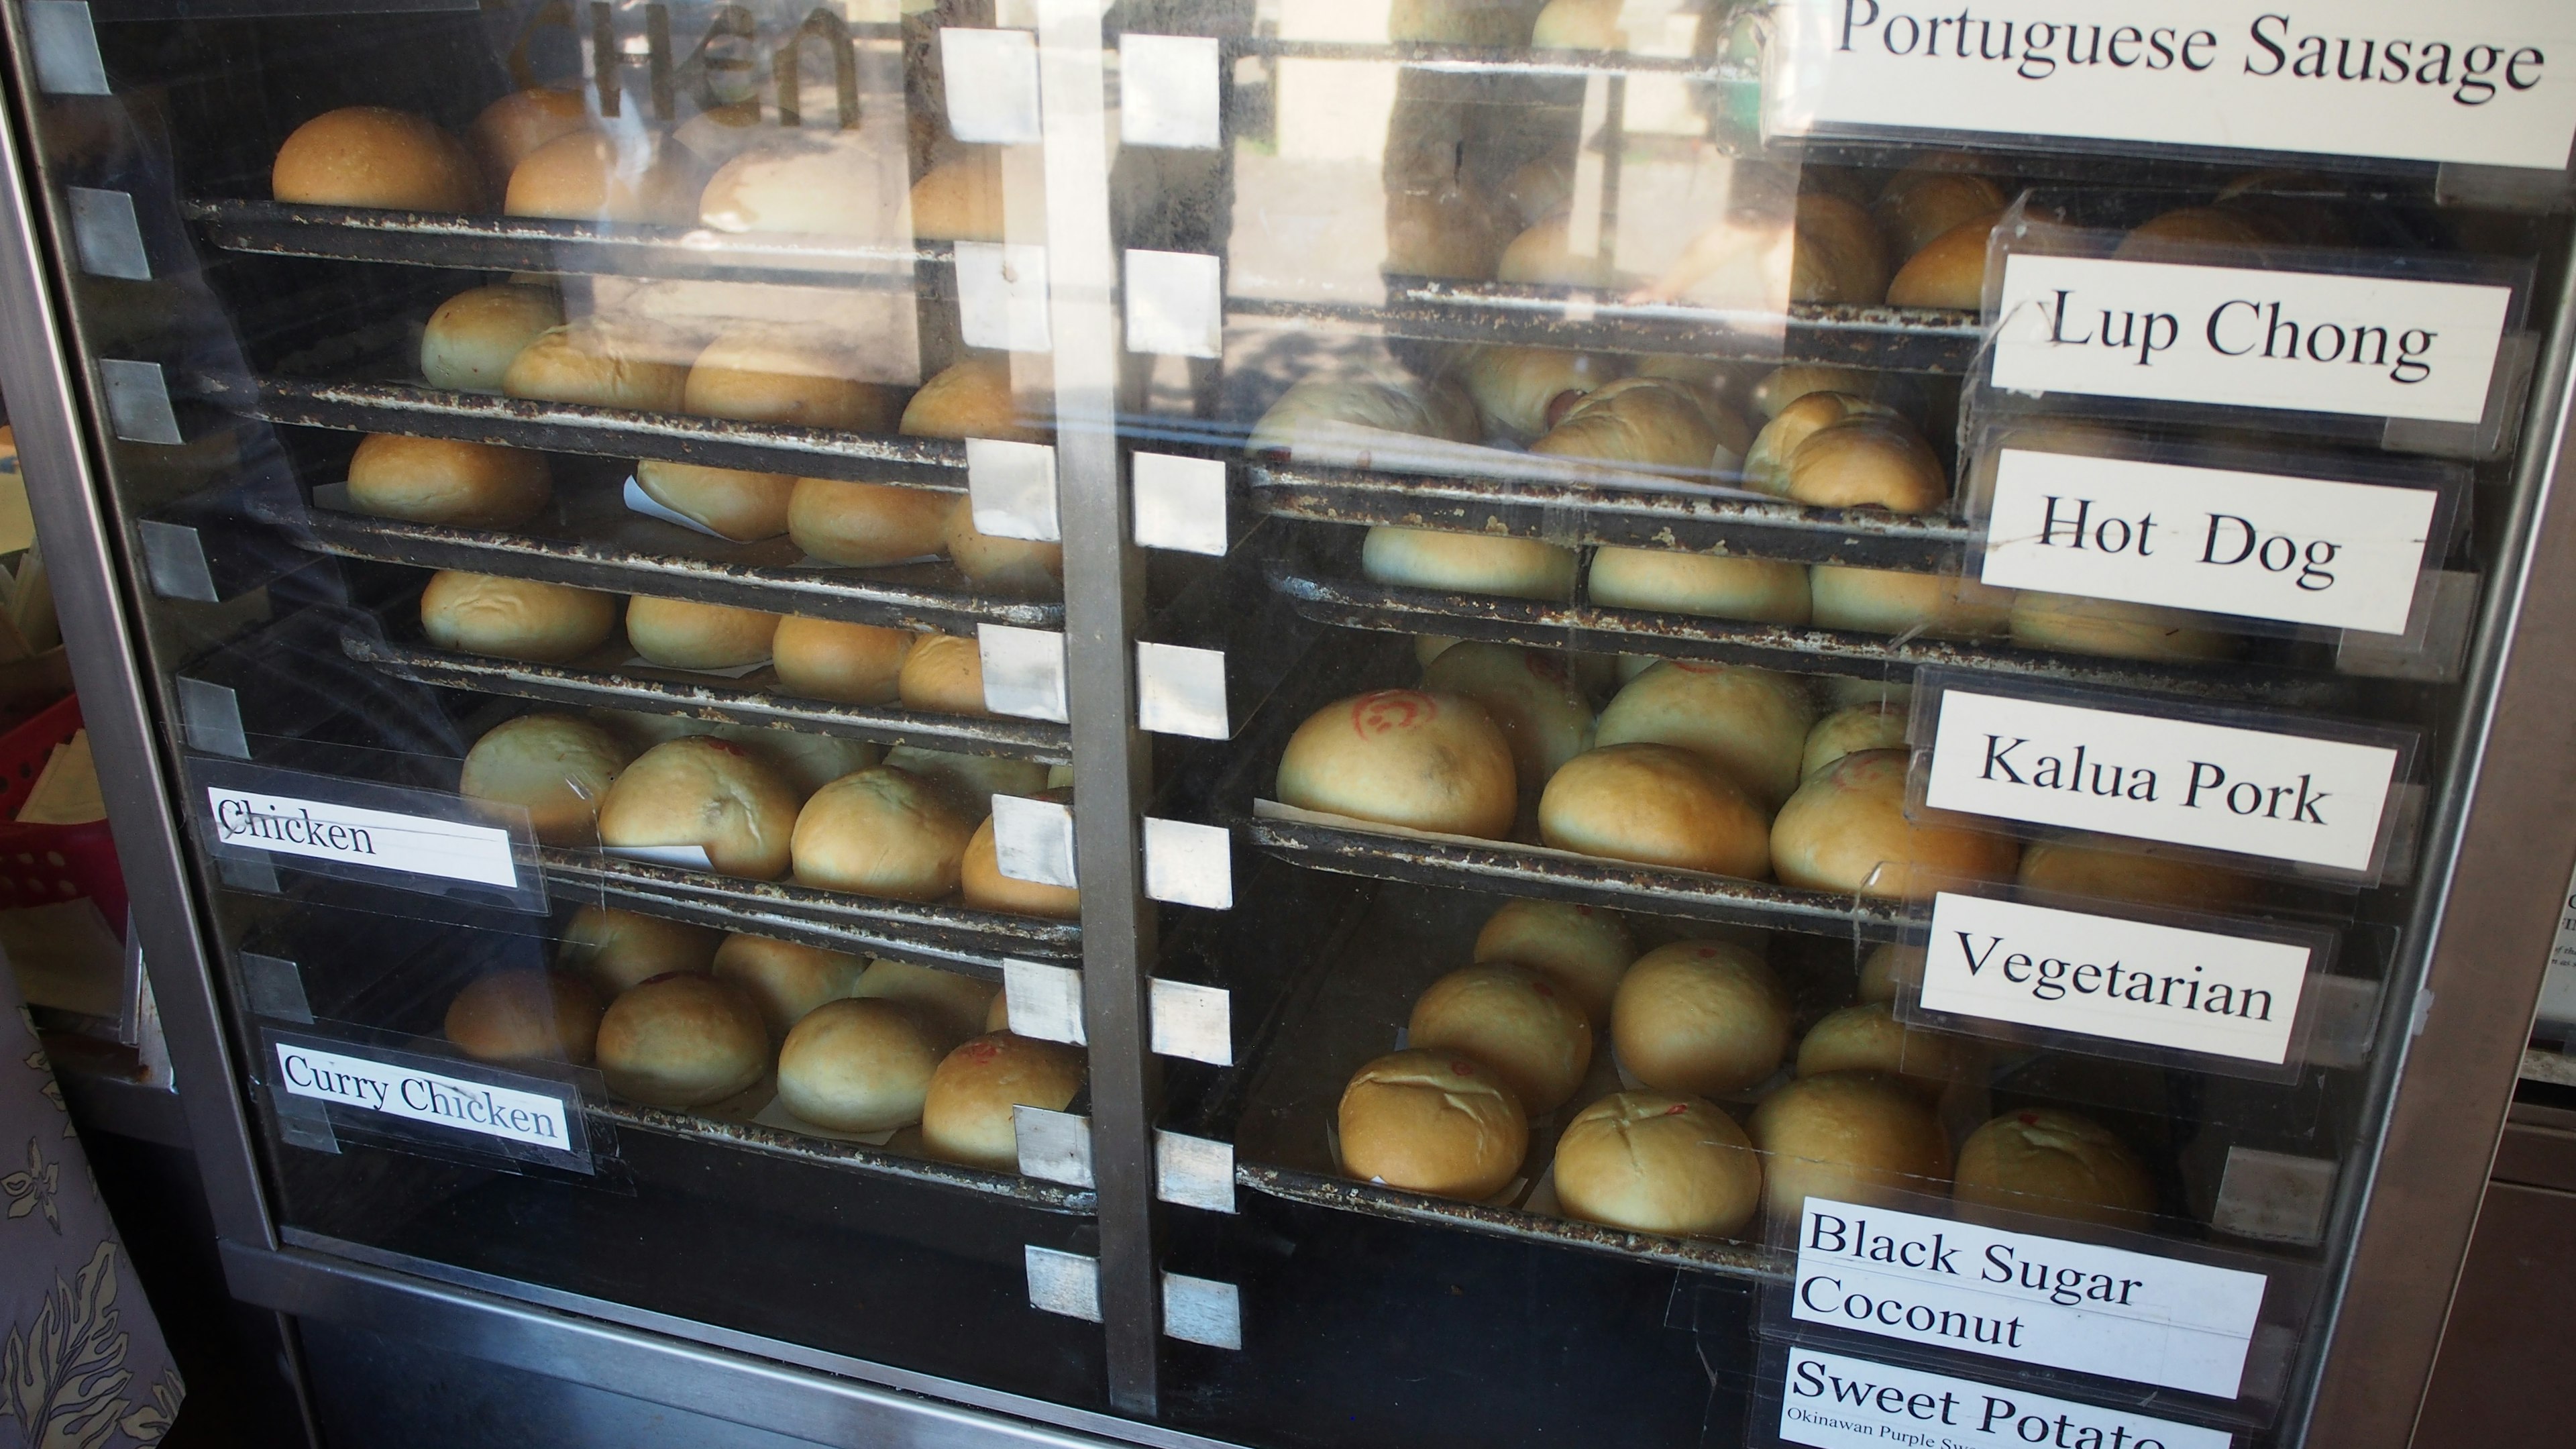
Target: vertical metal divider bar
{"points": [[49, 409], [1103, 606]]}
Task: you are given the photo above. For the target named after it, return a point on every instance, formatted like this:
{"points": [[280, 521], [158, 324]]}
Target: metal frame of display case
{"points": [[2499, 847]]}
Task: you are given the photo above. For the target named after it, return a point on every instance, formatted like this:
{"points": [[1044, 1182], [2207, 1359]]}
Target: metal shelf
{"points": [[830, 1152]]}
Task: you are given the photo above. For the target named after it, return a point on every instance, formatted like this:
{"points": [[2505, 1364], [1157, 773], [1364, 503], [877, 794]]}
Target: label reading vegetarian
{"points": [[422, 1096], [2102, 976], [2472, 81], [2244, 337], [2025, 1299], [322, 830], [2219, 787], [1835, 1401], [2259, 545]]}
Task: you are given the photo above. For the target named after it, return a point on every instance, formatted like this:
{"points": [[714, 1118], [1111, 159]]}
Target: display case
{"points": [[1293, 723]]}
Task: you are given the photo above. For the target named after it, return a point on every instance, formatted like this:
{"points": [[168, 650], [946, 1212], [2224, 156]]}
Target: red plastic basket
{"points": [[43, 864]]}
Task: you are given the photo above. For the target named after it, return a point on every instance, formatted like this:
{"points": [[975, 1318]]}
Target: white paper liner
{"points": [[734, 671], [1542, 1196], [776, 1115], [639, 501], [687, 857]]}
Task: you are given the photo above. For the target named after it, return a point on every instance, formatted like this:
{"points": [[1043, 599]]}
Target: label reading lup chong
{"points": [[2252, 792], [1835, 1401], [321, 830], [420, 1096], [2244, 337], [2026, 1299]]}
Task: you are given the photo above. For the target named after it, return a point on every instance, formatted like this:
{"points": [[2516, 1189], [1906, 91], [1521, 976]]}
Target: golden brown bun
{"points": [[685, 634], [1582, 949], [1522, 391], [766, 374], [882, 832], [786, 980], [953, 1007], [1530, 693], [971, 400], [842, 662], [438, 480], [2212, 225], [2113, 628], [1890, 970], [967, 1115], [1404, 757], [857, 1065], [1845, 831], [1849, 1136], [867, 525], [1515, 1021], [1868, 1037], [981, 884], [525, 1016], [1654, 1163], [811, 183], [375, 157], [556, 766], [1839, 257], [514, 618], [1579, 25], [520, 122], [1638, 422], [470, 340], [2133, 871], [2049, 1161], [742, 506], [1924, 202], [1656, 805], [1878, 725], [807, 762], [1543, 255], [1448, 232], [1762, 590], [587, 363], [1782, 386], [943, 674], [1792, 423], [960, 199], [1868, 463], [971, 781], [1947, 271], [682, 1041], [614, 950], [1469, 563], [705, 792], [1884, 601], [1700, 1017], [1432, 1122], [592, 175], [1750, 723], [1014, 565], [1490, 24]]}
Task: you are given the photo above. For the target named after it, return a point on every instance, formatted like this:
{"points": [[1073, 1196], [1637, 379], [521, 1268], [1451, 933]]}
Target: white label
{"points": [[2558, 982], [1167, 91], [2246, 337], [2477, 81], [2103, 976], [1833, 1401], [992, 84], [2254, 792], [283, 825], [1002, 296], [1010, 488], [1180, 503], [1033, 841], [1175, 303], [639, 501], [2024, 1298], [2260, 545], [528, 1117]]}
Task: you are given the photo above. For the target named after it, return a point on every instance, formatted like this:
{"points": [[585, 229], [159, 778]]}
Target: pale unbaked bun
{"points": [[514, 618], [1322, 412], [882, 832], [1868, 1037], [1845, 831], [867, 525], [784, 979], [770, 374], [1750, 723], [2114, 628], [1884, 601], [1469, 563], [1878, 725], [971, 781], [1784, 385], [966, 1117], [1931, 198], [520, 122], [981, 884], [1767, 462], [1849, 1136], [1543, 255], [1433, 1122], [960, 199], [1645, 423], [1761, 590], [2053, 1162], [685, 634], [1014, 565], [1427, 647], [2135, 871], [807, 762], [1866, 462], [1656, 805], [439, 480], [1653, 1163], [943, 674], [1890, 970], [953, 1006], [1582, 949], [741, 505], [525, 1016], [1701, 1017], [1530, 693], [812, 183], [682, 1041], [597, 366], [971, 400], [1404, 757], [1839, 257], [1514, 1020], [1523, 391], [856, 1065], [614, 950], [1579, 25], [593, 175], [842, 662], [555, 766], [374, 157], [709, 793], [470, 341], [1949, 270]]}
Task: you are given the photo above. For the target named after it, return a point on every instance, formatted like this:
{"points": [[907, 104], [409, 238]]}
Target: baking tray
{"points": [[538, 244], [751, 701], [874, 1161]]}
